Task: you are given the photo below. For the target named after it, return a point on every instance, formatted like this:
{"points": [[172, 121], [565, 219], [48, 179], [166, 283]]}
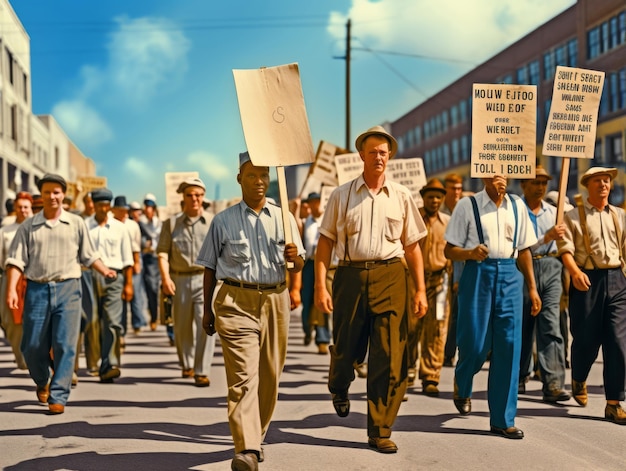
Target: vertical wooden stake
{"points": [[284, 205], [562, 189]]}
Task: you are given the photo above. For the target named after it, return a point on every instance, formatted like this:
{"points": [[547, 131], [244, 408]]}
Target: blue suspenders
{"points": [[479, 226]]}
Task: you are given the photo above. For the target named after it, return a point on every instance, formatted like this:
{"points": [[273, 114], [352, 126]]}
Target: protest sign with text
{"points": [[504, 120]]}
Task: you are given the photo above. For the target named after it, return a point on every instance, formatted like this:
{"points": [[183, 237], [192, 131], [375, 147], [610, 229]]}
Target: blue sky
{"points": [[144, 87]]}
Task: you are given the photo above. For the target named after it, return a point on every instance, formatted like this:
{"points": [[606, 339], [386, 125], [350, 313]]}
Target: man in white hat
{"points": [[545, 326], [593, 252], [180, 242], [371, 223]]}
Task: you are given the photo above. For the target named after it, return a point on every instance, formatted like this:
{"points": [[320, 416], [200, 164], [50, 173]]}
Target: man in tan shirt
{"points": [[593, 252], [428, 334]]}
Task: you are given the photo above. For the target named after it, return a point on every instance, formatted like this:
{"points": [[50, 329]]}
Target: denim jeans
{"points": [[137, 305], [108, 296], [52, 313]]}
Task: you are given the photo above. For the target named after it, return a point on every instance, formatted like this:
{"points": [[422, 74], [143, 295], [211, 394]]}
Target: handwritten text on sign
{"points": [[571, 128], [503, 130]]}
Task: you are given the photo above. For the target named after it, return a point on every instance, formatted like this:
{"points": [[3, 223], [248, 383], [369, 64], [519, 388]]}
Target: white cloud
{"points": [[146, 55], [139, 169], [209, 164], [83, 123], [453, 29]]}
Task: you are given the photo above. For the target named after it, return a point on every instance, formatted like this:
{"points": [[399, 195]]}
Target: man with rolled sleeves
{"points": [[371, 223], [545, 326], [49, 248], [593, 251], [245, 257], [492, 233], [112, 240], [180, 242]]}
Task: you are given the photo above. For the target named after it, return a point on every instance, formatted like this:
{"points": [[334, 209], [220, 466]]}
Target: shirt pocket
{"points": [[277, 252], [238, 250], [393, 227]]}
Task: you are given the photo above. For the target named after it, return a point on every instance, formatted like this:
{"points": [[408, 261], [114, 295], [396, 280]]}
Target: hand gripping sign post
{"points": [[275, 124], [504, 130], [571, 127]]}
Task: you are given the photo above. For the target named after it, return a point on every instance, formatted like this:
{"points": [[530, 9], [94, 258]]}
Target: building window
{"points": [[548, 65], [14, 122], [463, 111], [533, 69], [10, 65], [572, 53], [593, 43], [465, 148], [25, 85], [455, 152], [446, 155], [522, 75], [507, 79], [622, 27], [56, 158], [604, 40], [454, 115], [546, 110], [613, 33], [560, 55], [614, 150], [622, 88], [426, 130], [418, 135], [444, 121]]}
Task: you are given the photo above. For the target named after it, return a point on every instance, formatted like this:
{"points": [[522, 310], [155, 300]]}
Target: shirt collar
{"points": [[360, 183], [39, 219], [245, 208]]}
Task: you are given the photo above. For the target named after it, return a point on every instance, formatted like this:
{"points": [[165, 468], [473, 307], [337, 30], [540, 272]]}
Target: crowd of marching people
{"points": [[404, 290]]}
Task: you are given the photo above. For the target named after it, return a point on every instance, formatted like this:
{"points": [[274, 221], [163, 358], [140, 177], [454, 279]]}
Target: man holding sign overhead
{"points": [[371, 223]]}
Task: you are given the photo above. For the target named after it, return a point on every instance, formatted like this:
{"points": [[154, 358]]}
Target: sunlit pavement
{"points": [[153, 419]]}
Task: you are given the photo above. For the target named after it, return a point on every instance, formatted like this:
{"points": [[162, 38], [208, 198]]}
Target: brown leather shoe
{"points": [[188, 373], [246, 461], [109, 375], [556, 395], [579, 391], [615, 414], [430, 389], [322, 349], [382, 445], [43, 393], [56, 408], [202, 381]]}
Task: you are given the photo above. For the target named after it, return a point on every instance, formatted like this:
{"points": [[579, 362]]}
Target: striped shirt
{"points": [[52, 251], [542, 222], [249, 247], [112, 240]]}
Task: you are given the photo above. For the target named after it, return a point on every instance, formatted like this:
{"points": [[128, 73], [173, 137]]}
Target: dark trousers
{"points": [[152, 281], [370, 307], [545, 327], [598, 318]]}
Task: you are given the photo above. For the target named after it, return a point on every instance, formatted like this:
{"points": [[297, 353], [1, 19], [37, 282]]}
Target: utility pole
{"points": [[348, 26]]}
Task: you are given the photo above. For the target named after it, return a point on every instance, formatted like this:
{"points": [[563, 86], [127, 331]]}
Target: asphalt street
{"points": [[153, 419]]}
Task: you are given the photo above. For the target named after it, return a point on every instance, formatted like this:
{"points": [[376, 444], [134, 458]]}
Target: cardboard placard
{"points": [[504, 120], [573, 119]]}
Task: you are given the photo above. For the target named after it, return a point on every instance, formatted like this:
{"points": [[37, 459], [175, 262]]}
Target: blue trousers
{"points": [[490, 320], [108, 295], [138, 318], [52, 313]]}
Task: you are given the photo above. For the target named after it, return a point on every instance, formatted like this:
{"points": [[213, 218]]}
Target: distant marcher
{"points": [[112, 240], [151, 225], [49, 248], [12, 319], [121, 212], [245, 256], [181, 238], [593, 251], [371, 223], [545, 326], [492, 233]]}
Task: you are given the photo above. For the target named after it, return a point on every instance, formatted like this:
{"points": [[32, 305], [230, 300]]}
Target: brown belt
{"points": [[187, 273], [551, 254], [255, 286], [367, 265]]}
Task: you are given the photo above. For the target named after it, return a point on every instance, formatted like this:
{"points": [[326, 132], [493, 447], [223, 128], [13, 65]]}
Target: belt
{"points": [[255, 286], [187, 273], [367, 265], [551, 254], [44, 282]]}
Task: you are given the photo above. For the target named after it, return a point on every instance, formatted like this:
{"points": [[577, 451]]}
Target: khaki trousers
{"points": [[253, 327]]}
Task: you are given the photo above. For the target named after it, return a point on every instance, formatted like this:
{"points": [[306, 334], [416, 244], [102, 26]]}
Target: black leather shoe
{"points": [[512, 432], [464, 405], [341, 403], [556, 395]]}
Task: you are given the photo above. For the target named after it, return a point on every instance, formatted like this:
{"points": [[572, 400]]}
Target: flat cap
{"points": [[378, 131], [187, 182], [99, 195], [610, 171], [120, 202], [52, 178]]}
